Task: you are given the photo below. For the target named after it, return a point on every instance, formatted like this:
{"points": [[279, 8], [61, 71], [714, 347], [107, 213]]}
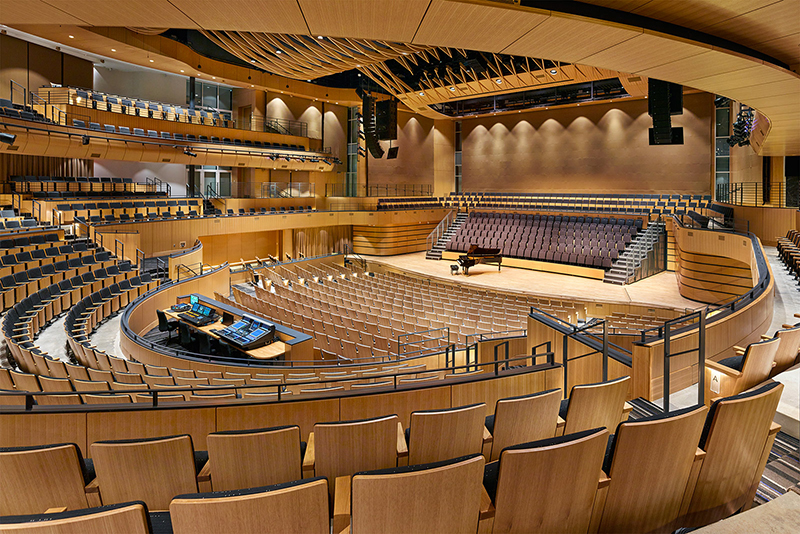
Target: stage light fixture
{"points": [[189, 153], [84, 139], [7, 138]]}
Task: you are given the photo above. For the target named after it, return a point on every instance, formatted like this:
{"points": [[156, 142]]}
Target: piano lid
{"points": [[475, 250]]}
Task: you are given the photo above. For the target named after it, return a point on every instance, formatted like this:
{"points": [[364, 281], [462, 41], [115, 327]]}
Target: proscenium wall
{"points": [[34, 66], [592, 149]]}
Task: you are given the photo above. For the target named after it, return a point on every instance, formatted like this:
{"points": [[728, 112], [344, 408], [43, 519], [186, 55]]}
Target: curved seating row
{"points": [[702, 465]]}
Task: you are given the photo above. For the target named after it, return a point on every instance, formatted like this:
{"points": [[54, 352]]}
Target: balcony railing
{"points": [[380, 190], [779, 195]]}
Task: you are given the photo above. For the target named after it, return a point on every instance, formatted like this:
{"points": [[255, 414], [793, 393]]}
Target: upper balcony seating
{"points": [[618, 203]]}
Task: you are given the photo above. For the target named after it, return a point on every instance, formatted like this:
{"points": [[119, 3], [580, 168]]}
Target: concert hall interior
{"points": [[339, 265]]}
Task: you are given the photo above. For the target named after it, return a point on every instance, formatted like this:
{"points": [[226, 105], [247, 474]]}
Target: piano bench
{"points": [[454, 269]]}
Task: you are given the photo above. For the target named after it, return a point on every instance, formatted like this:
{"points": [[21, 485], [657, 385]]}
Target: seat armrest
{"points": [[487, 436], [774, 428], [561, 424], [341, 503], [92, 491], [402, 446], [626, 410], [205, 473], [309, 458], [487, 508], [714, 366], [764, 338], [92, 487], [57, 510], [603, 481]]}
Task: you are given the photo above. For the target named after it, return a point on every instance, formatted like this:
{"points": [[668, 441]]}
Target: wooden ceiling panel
{"points": [[386, 20], [475, 26], [711, 62], [23, 11], [728, 82], [569, 39], [753, 26], [271, 16], [643, 51], [139, 13], [787, 48]]}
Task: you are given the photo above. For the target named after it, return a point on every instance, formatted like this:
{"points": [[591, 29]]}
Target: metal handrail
{"points": [[279, 388], [440, 229], [348, 251]]}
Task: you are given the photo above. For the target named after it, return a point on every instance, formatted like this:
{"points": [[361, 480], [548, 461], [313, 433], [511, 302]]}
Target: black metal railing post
{"points": [[666, 365]]}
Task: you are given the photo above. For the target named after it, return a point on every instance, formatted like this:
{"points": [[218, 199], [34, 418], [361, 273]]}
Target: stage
{"points": [[659, 291]]}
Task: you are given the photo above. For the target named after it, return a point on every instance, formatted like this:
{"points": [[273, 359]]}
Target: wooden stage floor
{"points": [[660, 290]]}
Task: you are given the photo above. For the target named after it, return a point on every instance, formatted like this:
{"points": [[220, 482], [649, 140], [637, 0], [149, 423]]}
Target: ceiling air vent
{"points": [[635, 79], [166, 160], [13, 148]]}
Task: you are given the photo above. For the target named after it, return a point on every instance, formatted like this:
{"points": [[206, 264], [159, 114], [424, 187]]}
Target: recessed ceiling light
{"points": [[421, 93], [181, 70], [213, 77], [405, 53], [72, 37], [277, 51], [252, 61], [498, 81], [453, 89], [337, 103], [553, 71], [251, 85], [113, 49], [320, 37], [152, 61]]}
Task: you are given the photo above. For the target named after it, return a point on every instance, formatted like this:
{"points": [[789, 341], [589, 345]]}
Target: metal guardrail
{"points": [[286, 127], [379, 190], [700, 318], [441, 334], [649, 253], [440, 229], [778, 195]]}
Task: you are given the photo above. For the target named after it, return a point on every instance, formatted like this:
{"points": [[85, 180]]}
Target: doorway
{"points": [[214, 180]]}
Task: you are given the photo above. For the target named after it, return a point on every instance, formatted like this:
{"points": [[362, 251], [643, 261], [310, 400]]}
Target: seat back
{"points": [[559, 474], [737, 440], [438, 435], [35, 479], [596, 405], [344, 448], [786, 355], [524, 419], [251, 458], [440, 497], [757, 366], [649, 465], [130, 518], [292, 507], [151, 470]]}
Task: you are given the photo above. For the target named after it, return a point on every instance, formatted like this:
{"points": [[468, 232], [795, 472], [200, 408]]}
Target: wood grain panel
{"points": [[17, 430], [401, 403], [391, 240], [305, 414], [154, 422]]}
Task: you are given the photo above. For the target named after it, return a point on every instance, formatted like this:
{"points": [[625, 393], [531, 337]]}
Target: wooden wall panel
{"points": [[401, 403], [414, 163], [592, 148], [766, 222], [391, 240], [305, 414], [17, 430], [195, 421], [234, 247]]}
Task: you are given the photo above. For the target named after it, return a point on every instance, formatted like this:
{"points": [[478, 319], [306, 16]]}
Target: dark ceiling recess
{"points": [[203, 46], [575, 93]]}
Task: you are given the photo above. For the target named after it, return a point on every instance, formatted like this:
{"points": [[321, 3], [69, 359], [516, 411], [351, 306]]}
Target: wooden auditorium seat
{"points": [[343, 448], [435, 497], [737, 439], [596, 405], [523, 419], [547, 485], [298, 507], [129, 517], [649, 462], [35, 479], [438, 435], [242, 459], [152, 470], [750, 367], [787, 354]]}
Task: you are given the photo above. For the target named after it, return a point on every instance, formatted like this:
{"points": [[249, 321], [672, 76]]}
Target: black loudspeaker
{"points": [[392, 152], [664, 100], [386, 119], [368, 108]]}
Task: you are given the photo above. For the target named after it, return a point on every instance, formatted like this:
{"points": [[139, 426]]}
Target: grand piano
{"points": [[476, 255]]}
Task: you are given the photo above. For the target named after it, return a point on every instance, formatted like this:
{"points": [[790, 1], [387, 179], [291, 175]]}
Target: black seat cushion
{"points": [[734, 362], [562, 410]]}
